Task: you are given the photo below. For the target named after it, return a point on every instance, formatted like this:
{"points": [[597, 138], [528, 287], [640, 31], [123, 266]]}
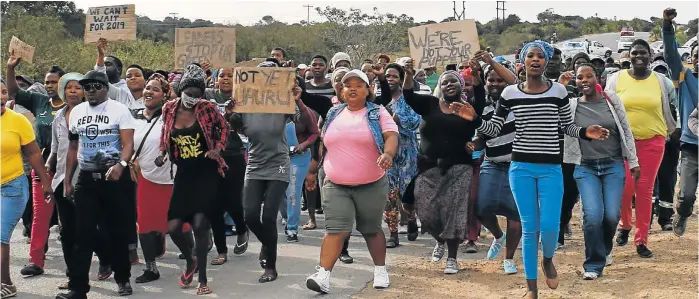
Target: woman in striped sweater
{"points": [[542, 111]]}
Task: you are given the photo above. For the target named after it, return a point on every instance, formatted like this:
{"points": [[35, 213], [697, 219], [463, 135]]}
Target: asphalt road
{"points": [[235, 279], [607, 39]]}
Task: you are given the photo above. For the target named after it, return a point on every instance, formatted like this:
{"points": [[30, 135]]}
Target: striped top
{"points": [[326, 90], [539, 119], [499, 149]]}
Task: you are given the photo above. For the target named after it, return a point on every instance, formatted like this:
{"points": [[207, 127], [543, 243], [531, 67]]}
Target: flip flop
{"points": [[242, 248], [63, 286], [310, 226], [203, 290], [219, 260], [187, 276]]}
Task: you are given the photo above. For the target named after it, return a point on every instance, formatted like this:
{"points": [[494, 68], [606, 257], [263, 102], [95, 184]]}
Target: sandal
{"points": [[310, 226], [10, 290], [219, 260], [188, 275], [241, 248], [63, 286], [203, 290], [268, 277]]}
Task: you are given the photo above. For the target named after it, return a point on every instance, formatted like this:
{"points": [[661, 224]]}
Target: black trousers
{"points": [[665, 184], [109, 205], [570, 197], [66, 213], [230, 199], [28, 215], [271, 193]]}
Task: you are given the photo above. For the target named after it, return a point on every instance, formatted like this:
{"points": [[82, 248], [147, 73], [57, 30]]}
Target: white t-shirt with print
{"points": [[97, 130], [151, 149]]}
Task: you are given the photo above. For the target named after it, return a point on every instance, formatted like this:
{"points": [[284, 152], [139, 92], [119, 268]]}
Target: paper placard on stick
{"points": [[116, 22], [217, 45], [444, 43], [22, 49], [264, 90]]}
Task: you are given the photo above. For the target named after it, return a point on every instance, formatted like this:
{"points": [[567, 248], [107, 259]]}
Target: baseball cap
{"points": [[356, 74], [339, 71], [340, 56], [301, 66], [95, 76]]}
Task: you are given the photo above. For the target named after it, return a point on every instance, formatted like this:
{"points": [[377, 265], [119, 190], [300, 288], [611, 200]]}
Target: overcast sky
{"points": [[249, 12]]}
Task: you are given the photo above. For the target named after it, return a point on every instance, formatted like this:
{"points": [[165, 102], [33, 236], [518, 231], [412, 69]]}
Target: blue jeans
{"points": [[538, 191], [298, 169], [15, 195], [601, 185]]}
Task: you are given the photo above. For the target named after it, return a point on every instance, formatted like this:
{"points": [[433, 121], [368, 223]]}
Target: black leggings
{"points": [[271, 193], [570, 197], [229, 199], [200, 226]]}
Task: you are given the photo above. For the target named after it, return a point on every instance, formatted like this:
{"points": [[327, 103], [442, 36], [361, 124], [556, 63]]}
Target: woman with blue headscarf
{"points": [[541, 110], [445, 166]]}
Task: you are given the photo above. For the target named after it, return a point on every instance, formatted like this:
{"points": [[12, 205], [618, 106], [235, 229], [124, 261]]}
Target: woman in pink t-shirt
{"points": [[361, 140]]}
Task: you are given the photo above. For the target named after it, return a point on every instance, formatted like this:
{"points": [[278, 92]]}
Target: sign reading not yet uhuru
{"points": [[216, 45], [111, 22], [264, 90], [443, 43]]}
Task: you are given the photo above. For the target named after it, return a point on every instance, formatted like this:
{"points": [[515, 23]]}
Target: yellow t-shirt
{"points": [[643, 101], [15, 131]]}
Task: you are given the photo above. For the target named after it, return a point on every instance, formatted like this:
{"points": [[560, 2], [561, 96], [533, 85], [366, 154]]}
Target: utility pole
{"points": [[461, 16], [497, 13], [308, 15]]}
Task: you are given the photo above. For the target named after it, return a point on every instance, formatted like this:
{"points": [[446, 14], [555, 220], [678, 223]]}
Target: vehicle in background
{"points": [[624, 43], [685, 51], [569, 49], [691, 43]]}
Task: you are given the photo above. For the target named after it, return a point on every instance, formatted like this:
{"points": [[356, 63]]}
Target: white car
{"points": [[624, 43], [569, 49], [685, 51]]}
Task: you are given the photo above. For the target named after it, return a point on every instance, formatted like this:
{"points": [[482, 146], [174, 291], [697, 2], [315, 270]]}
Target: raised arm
{"points": [[114, 92], [672, 56]]}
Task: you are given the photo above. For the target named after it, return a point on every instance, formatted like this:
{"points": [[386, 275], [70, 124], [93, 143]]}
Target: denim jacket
{"points": [[372, 112]]}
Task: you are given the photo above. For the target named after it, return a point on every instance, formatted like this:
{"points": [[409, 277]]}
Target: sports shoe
{"points": [[292, 238], [496, 246], [509, 267], [471, 247], [319, 281], [609, 260], [590, 275], [452, 266], [31, 270], [438, 252], [148, 276], [381, 280], [622, 238], [71, 295], [679, 224], [643, 251]]}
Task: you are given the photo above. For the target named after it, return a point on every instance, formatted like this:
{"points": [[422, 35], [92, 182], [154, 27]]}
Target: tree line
{"points": [[56, 29]]}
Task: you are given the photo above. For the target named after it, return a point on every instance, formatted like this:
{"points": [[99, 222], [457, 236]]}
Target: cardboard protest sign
{"points": [[264, 90], [444, 43], [22, 49], [111, 22], [217, 45]]}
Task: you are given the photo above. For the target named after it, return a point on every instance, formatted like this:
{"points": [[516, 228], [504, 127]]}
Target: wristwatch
{"points": [[123, 163]]}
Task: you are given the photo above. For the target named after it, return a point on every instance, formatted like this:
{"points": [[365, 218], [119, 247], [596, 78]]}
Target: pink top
{"points": [[352, 153]]}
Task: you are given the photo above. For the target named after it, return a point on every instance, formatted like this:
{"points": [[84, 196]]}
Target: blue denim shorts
{"points": [[15, 195], [494, 192]]}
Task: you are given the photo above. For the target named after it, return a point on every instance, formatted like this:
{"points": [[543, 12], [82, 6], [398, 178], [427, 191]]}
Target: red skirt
{"points": [[153, 202]]}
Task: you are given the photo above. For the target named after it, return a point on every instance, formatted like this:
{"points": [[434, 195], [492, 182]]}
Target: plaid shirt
{"points": [[212, 123]]}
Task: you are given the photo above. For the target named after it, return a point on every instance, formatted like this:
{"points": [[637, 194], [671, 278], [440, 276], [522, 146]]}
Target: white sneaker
{"points": [[609, 260], [438, 252], [509, 267], [452, 266], [381, 280], [590, 275], [319, 281]]}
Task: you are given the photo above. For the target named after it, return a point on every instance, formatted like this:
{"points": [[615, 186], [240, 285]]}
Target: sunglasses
{"points": [[91, 86]]}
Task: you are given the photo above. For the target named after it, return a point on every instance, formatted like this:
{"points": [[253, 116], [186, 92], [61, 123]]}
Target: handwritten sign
{"points": [[217, 45], [111, 22], [264, 90], [22, 49], [444, 43]]}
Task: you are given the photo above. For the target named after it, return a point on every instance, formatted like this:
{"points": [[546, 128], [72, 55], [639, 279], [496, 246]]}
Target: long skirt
{"points": [[442, 201]]}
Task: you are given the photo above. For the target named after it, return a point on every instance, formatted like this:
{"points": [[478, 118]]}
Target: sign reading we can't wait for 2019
{"points": [[213, 44], [116, 22], [264, 90], [443, 43]]}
